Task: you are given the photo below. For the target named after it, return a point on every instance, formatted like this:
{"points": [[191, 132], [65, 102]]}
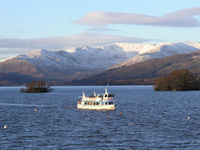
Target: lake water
{"points": [[149, 119]]}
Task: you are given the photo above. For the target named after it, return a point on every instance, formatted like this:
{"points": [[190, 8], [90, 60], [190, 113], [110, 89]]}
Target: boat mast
{"points": [[106, 91], [83, 94]]}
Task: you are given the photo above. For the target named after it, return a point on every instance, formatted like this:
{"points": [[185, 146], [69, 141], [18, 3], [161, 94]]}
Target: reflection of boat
{"points": [[99, 102]]}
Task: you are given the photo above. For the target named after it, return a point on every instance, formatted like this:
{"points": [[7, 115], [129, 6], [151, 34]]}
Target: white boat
{"points": [[98, 102]]}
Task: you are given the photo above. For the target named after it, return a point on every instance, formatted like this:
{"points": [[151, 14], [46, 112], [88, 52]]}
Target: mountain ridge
{"points": [[65, 65], [144, 72], [162, 50]]}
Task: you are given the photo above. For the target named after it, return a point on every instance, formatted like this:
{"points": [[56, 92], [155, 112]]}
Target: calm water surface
{"points": [[149, 119]]}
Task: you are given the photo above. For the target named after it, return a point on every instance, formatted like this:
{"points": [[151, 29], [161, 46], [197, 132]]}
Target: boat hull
{"points": [[96, 107]]}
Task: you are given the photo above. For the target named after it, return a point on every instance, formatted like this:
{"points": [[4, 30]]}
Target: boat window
{"points": [[111, 95]]}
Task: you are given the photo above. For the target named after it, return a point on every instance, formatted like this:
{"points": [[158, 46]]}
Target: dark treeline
{"points": [[111, 81], [179, 80]]}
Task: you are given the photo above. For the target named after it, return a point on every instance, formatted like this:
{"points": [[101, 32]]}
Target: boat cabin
{"points": [[100, 101]]}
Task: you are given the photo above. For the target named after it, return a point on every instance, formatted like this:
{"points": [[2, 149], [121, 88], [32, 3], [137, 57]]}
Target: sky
{"points": [[27, 25]]}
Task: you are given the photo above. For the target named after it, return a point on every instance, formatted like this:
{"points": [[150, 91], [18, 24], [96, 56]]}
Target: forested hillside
{"points": [[144, 72]]}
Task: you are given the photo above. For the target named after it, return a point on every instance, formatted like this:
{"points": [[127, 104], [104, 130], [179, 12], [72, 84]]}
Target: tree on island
{"points": [[179, 80], [39, 86]]}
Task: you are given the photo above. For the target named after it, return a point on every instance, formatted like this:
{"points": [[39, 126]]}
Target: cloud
{"points": [[101, 29], [64, 42], [182, 18]]}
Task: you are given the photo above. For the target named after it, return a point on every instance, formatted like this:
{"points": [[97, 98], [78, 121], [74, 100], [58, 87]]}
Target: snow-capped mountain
{"points": [[151, 51], [84, 57], [103, 57], [65, 64], [83, 60]]}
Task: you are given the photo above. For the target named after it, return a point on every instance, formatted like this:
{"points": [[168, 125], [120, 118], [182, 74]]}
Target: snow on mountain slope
{"points": [[85, 58], [151, 51]]}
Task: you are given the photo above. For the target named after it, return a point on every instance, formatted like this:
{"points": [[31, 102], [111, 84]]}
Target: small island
{"points": [[39, 86], [179, 80]]}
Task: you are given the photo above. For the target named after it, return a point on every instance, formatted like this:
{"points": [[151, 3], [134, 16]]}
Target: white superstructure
{"points": [[98, 102]]}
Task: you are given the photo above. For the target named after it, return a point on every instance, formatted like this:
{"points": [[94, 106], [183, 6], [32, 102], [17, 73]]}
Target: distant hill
{"points": [[8, 79], [59, 66], [144, 72]]}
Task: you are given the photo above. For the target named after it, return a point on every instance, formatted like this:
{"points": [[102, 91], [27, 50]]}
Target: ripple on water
{"points": [[149, 120]]}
